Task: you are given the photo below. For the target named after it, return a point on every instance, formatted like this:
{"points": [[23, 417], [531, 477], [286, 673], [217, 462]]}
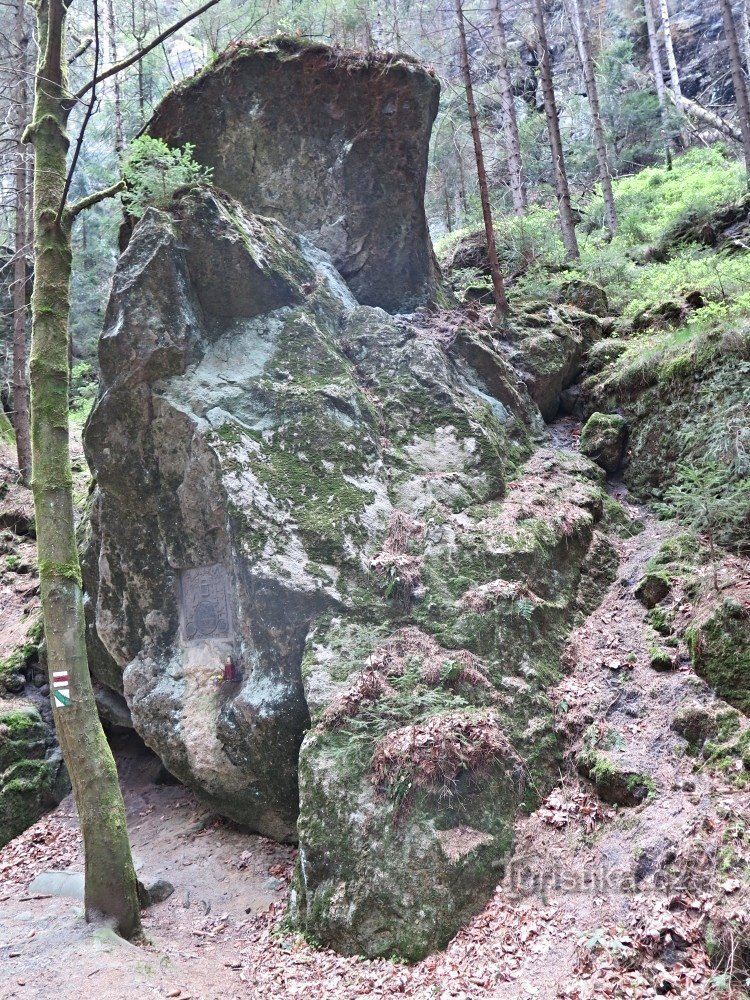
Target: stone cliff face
{"points": [[332, 144]]}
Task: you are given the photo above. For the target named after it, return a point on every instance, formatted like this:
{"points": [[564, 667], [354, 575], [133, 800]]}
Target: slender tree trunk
{"points": [[448, 208], [462, 192], [746, 34], [581, 28], [498, 285], [674, 73], [653, 44], [112, 39], [510, 123], [397, 27], [738, 79], [111, 887], [567, 224], [20, 386]]}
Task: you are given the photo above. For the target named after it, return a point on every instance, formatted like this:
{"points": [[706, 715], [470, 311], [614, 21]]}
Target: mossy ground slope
{"points": [[673, 355]]}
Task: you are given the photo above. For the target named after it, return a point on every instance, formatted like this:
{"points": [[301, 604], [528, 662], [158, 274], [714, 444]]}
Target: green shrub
{"points": [[153, 171]]}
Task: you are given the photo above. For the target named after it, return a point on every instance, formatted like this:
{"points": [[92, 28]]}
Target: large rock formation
{"points": [[320, 495], [332, 144]]}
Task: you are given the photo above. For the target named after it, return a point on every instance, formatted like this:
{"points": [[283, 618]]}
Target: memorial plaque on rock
{"points": [[205, 604]]}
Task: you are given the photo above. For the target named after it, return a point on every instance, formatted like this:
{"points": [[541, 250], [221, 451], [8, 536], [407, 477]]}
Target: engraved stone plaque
{"points": [[205, 604]]}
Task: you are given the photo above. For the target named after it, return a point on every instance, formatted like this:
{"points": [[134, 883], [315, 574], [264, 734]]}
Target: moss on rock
{"points": [[502, 584], [32, 777], [719, 644], [603, 440]]}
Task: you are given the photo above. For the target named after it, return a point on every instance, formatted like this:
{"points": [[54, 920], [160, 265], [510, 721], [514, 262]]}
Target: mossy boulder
{"points": [[615, 782], [696, 724], [32, 776], [719, 644], [331, 143], [548, 346], [652, 588], [398, 865], [586, 295], [402, 836], [661, 660], [660, 316], [328, 570], [603, 440], [254, 433]]}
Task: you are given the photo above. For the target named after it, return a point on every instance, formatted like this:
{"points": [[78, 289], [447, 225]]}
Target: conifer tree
{"points": [[110, 882]]}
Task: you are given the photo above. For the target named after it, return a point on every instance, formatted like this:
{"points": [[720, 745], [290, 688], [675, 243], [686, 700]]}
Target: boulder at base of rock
{"points": [[603, 440], [331, 143], [615, 782], [33, 778], [548, 346], [586, 295], [427, 737], [696, 724]]}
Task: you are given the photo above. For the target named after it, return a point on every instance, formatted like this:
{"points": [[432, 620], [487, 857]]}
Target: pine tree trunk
{"points": [[111, 887], [738, 79], [20, 386], [567, 224], [510, 123], [498, 285], [582, 31], [653, 44]]}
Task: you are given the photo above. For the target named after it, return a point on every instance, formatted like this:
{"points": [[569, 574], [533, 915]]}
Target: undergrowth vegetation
{"points": [[676, 359], [651, 205]]}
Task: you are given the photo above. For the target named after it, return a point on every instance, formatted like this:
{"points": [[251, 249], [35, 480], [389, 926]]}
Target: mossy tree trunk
{"points": [[498, 285], [564, 207], [20, 386], [111, 886]]}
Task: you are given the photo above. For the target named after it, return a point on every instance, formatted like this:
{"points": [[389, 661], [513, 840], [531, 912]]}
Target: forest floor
{"points": [[598, 901]]}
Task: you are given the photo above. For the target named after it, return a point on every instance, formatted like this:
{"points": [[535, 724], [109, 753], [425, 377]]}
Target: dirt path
{"points": [[597, 901]]}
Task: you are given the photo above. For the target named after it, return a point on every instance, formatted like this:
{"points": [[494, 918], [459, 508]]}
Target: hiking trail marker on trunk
{"points": [[61, 688]]}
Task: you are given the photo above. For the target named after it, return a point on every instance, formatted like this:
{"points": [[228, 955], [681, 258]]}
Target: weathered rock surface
{"points": [[603, 440], [332, 144], [33, 778], [350, 514], [719, 643], [548, 347], [428, 738], [236, 452]]}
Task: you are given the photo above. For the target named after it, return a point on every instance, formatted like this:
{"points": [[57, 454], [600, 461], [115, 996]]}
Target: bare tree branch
{"points": [[84, 123], [140, 53]]}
